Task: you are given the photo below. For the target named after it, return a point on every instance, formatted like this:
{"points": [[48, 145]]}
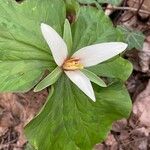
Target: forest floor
{"points": [[16, 110]]}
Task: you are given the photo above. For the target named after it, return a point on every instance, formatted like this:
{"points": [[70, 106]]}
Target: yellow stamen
{"points": [[72, 64]]}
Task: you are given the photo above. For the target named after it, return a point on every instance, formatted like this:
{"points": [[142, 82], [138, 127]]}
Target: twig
{"points": [[141, 4], [130, 9]]}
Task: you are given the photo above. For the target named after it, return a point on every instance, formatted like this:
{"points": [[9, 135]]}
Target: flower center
{"points": [[72, 64]]}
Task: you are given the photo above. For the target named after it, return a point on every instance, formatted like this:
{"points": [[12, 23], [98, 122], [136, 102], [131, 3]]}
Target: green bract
{"points": [[67, 36], [94, 78], [49, 80], [68, 120]]}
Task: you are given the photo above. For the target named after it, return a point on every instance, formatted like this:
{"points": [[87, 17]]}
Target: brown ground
{"points": [[132, 134]]}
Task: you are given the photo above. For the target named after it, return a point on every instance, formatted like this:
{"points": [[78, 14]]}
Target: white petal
{"points": [[83, 83], [95, 54], [56, 43]]}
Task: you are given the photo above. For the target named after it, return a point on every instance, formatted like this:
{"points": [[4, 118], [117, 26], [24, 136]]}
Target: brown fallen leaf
{"points": [[99, 147], [141, 107], [16, 110], [111, 142], [141, 131], [140, 4], [144, 56], [120, 125]]}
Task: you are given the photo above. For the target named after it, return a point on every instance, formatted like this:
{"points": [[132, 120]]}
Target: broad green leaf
{"points": [[72, 6], [24, 54], [97, 28], [86, 1], [21, 75], [49, 79], [67, 35], [94, 78], [135, 39], [114, 2], [71, 121], [92, 26], [116, 68]]}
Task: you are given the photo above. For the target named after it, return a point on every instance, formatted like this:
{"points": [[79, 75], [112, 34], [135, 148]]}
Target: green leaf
{"points": [[67, 35], [86, 1], [91, 27], [94, 78], [114, 2], [19, 76], [135, 39], [71, 121], [116, 68], [24, 54], [72, 6], [49, 79]]}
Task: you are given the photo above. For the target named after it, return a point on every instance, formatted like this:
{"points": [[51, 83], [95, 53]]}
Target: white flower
{"points": [[85, 57]]}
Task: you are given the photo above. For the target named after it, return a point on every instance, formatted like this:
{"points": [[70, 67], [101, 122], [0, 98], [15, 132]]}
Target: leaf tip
{"points": [[35, 90]]}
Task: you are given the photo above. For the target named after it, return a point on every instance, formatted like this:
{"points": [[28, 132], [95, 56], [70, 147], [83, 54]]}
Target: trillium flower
{"points": [[74, 66]]}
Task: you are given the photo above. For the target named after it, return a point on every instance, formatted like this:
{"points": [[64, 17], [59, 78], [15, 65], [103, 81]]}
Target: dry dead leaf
{"points": [[142, 131], [144, 56], [15, 111], [111, 142], [120, 125], [99, 147], [141, 107], [137, 3]]}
